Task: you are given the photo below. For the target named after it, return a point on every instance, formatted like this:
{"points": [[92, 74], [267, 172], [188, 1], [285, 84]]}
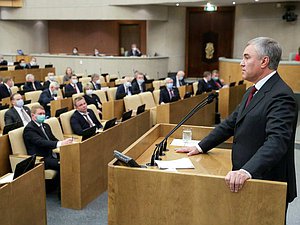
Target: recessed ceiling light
{"points": [[257, 0], [177, 4], [233, 3]]}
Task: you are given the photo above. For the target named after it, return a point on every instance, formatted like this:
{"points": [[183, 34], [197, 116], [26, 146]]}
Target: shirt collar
{"points": [[260, 83], [84, 114], [38, 124]]}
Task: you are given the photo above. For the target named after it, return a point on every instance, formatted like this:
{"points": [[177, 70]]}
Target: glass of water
{"points": [[186, 135]]}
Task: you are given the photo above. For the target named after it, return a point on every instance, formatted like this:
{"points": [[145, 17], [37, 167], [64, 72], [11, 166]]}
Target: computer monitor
{"points": [[35, 67], [24, 166], [48, 66], [27, 102], [141, 109], [61, 111], [6, 106], [89, 132], [126, 115], [11, 127], [232, 84], [109, 124], [3, 68], [241, 82]]}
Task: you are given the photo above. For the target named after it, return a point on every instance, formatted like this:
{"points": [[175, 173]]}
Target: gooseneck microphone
{"points": [[162, 146]]}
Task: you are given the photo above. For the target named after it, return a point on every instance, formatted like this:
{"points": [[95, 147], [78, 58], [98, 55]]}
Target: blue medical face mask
{"points": [[140, 81], [170, 86], [40, 118], [20, 103]]}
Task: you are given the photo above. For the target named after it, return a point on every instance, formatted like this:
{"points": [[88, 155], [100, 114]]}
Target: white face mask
{"points": [[74, 81], [20, 103], [127, 84], [140, 81], [89, 92], [75, 51], [51, 78], [98, 81]]}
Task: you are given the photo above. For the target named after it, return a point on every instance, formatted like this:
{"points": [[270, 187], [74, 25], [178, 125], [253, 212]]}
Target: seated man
{"points": [[96, 81], [138, 84], [31, 84], [5, 90], [169, 93], [215, 82], [51, 78], [124, 89], [22, 65], [83, 117], [3, 62], [134, 51], [49, 95], [203, 84], [74, 87], [178, 80], [18, 112], [91, 98], [39, 139]]}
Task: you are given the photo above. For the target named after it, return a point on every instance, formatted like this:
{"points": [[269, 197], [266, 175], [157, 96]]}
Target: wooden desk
{"points": [[60, 103], [229, 99], [23, 201], [5, 151], [175, 111], [83, 165], [113, 109], [192, 196], [184, 89]]}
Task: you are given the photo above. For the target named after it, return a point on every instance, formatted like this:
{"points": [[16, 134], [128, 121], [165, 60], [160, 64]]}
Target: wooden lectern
{"points": [[59, 104], [190, 196]]}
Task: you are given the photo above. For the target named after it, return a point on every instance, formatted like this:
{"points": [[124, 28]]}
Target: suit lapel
{"points": [[259, 96]]}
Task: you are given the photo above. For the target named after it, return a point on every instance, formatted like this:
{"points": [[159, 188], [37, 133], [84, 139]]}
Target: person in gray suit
{"points": [[18, 112], [263, 125]]}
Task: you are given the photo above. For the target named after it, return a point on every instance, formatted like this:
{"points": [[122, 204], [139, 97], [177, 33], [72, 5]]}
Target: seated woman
{"points": [[91, 98], [68, 75]]}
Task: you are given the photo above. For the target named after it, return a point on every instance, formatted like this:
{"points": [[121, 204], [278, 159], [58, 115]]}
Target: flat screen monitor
{"points": [[24, 166], [109, 124], [141, 109], [126, 115]]}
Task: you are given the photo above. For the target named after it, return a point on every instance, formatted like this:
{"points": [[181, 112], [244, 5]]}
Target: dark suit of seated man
{"points": [[39, 139], [203, 84], [31, 84], [83, 117], [138, 84], [74, 87], [178, 80], [168, 93], [49, 95], [18, 112], [124, 89], [96, 81], [5, 90]]}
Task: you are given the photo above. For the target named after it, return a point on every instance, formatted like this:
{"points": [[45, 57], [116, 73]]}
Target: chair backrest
{"points": [[195, 87], [84, 80], [30, 105], [59, 93], [55, 127], [33, 95], [2, 123], [76, 96], [65, 122], [102, 79], [147, 98], [156, 95], [60, 79], [119, 81], [157, 84], [132, 102], [101, 94], [14, 89], [94, 108], [111, 93], [17, 142]]}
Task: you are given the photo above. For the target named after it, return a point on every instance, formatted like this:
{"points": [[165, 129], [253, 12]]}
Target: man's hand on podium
{"points": [[190, 150], [236, 179]]}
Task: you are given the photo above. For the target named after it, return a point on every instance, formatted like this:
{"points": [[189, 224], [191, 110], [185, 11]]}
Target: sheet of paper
{"points": [[180, 142], [184, 163], [7, 178]]}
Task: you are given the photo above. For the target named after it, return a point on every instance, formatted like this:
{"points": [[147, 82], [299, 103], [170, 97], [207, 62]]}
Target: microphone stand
{"points": [[162, 146]]}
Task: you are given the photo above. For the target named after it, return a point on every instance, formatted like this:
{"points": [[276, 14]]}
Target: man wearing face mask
{"points": [[49, 95], [22, 65], [51, 78], [31, 84], [134, 51], [169, 93], [124, 89], [18, 112], [96, 81], [178, 80], [92, 98], [138, 85], [5, 88], [215, 82], [39, 139], [74, 87], [203, 84]]}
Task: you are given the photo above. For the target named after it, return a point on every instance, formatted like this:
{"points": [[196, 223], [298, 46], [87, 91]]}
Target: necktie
{"points": [[88, 120], [171, 94], [218, 85], [33, 86], [44, 132], [253, 90], [25, 116], [9, 91]]}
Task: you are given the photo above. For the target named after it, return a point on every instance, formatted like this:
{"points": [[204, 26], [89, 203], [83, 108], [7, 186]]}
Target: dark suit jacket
{"points": [[131, 53], [264, 134], [3, 63], [121, 93], [4, 93], [19, 67], [92, 100], [44, 99], [70, 90], [96, 86], [136, 88], [182, 82], [12, 116], [79, 123], [46, 84], [165, 96], [29, 87], [215, 84], [203, 87], [36, 141]]}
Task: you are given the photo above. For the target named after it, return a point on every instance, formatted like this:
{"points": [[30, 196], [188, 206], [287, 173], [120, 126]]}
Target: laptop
{"points": [[232, 84], [60, 111], [140, 109], [48, 66], [24, 166], [35, 67], [241, 82], [126, 115], [6, 106], [27, 102], [89, 132], [11, 127], [109, 124]]}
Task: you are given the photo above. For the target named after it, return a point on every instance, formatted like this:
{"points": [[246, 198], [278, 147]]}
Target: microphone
{"points": [[162, 146]]}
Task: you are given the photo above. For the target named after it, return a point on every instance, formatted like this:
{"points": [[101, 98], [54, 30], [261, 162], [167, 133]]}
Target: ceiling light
{"points": [[210, 7], [177, 4], [233, 3]]}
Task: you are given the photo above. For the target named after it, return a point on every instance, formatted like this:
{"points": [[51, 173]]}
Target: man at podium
{"points": [[263, 125]]}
